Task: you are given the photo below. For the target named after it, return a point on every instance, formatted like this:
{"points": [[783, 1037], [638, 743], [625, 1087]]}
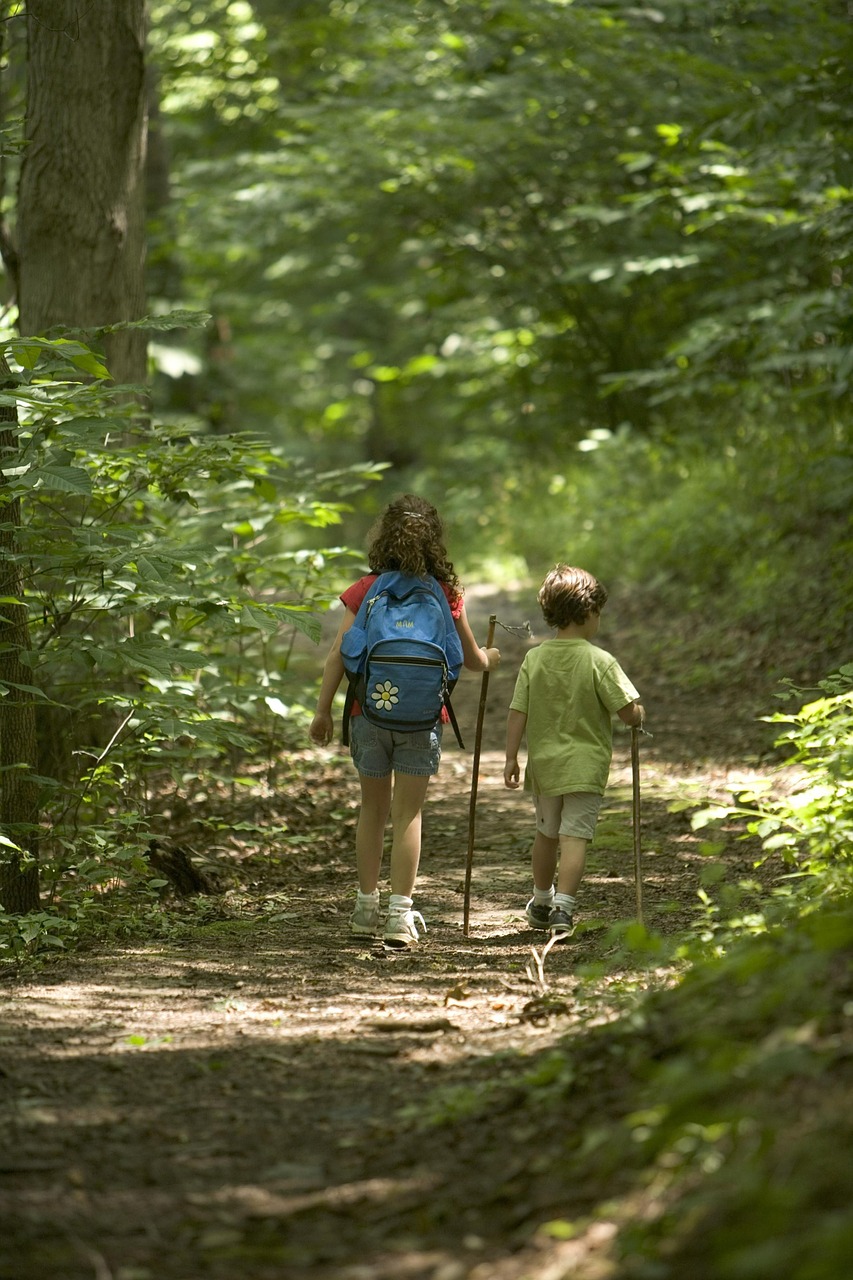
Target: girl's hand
{"points": [[322, 729], [494, 658]]}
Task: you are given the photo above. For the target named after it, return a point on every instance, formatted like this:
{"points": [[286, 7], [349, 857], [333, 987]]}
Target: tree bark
{"points": [[81, 250], [19, 876], [81, 201]]}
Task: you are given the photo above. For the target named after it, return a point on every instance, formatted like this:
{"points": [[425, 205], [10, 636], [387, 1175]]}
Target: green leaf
{"points": [[177, 319], [157, 658], [57, 479], [31, 689], [304, 621], [89, 363], [28, 352], [258, 620]]}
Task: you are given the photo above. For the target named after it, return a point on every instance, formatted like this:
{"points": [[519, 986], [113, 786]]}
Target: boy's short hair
{"points": [[570, 595]]}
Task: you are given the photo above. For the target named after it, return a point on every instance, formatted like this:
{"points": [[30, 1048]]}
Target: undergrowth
{"points": [[709, 1121], [685, 520]]}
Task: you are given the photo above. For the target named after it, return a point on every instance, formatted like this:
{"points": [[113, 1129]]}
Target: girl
{"points": [[394, 769]]}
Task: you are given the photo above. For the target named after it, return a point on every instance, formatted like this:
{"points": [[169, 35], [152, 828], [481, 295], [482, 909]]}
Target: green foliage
{"points": [[815, 823], [586, 260], [753, 536], [167, 575], [448, 1107], [709, 1123], [810, 826], [745, 1179], [481, 232], [712, 1125], [23, 935]]}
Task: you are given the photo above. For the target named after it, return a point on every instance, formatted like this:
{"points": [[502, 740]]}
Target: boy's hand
{"points": [[322, 729], [512, 774]]}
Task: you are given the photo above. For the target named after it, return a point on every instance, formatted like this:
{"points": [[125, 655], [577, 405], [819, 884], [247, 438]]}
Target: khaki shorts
{"points": [[575, 814]]}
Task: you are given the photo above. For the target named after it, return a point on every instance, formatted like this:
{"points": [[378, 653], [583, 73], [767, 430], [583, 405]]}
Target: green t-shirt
{"points": [[569, 690]]}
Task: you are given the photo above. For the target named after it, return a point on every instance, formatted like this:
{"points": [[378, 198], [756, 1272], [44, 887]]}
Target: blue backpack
{"points": [[402, 655]]}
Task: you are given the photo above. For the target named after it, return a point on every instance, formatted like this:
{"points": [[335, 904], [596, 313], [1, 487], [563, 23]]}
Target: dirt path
{"points": [[246, 1099]]}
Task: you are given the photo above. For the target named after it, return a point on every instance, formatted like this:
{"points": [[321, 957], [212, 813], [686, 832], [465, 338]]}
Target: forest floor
{"points": [[257, 1096]]}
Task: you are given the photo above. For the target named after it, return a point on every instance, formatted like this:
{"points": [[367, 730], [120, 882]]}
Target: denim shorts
{"points": [[575, 814], [377, 752]]}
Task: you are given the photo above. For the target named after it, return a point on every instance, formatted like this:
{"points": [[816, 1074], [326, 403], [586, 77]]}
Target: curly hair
{"points": [[570, 595], [409, 536]]}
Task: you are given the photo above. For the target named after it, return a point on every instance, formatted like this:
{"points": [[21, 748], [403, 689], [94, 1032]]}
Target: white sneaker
{"points": [[400, 928], [364, 921]]}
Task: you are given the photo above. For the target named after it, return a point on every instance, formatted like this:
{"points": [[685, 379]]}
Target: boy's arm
{"points": [[633, 714], [322, 726], [516, 723]]}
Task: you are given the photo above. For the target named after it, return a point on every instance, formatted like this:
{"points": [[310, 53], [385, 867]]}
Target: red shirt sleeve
{"points": [[354, 595], [454, 601]]}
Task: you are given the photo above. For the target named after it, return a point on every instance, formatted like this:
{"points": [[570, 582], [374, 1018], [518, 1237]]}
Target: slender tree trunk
{"points": [[81, 205], [19, 878]]}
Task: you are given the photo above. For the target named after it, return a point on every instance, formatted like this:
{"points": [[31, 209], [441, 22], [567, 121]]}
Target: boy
{"points": [[565, 695]]}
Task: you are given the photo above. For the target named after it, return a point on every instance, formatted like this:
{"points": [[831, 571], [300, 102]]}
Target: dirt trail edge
{"points": [[247, 1100]]}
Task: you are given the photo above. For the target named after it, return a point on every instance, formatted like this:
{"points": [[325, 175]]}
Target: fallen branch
{"points": [[538, 959]]}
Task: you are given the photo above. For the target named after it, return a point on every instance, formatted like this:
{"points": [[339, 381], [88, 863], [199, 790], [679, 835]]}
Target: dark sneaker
{"points": [[538, 914], [560, 923]]}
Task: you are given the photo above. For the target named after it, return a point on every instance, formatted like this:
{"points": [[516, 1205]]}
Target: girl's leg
{"points": [[543, 857], [370, 832], [406, 814], [572, 863]]}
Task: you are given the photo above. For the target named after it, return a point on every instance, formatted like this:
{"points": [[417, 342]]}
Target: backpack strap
{"points": [[349, 699], [452, 716]]}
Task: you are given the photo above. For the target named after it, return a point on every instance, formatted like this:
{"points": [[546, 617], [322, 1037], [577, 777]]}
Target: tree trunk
{"points": [[81, 249], [81, 205], [19, 878]]}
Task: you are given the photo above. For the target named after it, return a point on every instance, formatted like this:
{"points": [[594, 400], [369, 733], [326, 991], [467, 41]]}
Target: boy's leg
{"points": [[577, 827], [406, 821], [543, 858], [370, 831], [572, 863]]}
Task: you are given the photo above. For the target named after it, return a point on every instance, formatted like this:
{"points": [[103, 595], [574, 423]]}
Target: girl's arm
{"points": [[477, 658], [322, 726]]}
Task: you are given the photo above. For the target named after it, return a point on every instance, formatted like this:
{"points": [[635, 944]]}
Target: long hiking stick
{"points": [[638, 857], [475, 772]]}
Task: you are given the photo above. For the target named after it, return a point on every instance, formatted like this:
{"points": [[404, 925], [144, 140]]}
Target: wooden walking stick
{"points": [[638, 857], [475, 769]]}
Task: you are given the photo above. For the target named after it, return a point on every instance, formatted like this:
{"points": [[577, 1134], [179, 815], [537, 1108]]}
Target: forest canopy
{"points": [[577, 254]]}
